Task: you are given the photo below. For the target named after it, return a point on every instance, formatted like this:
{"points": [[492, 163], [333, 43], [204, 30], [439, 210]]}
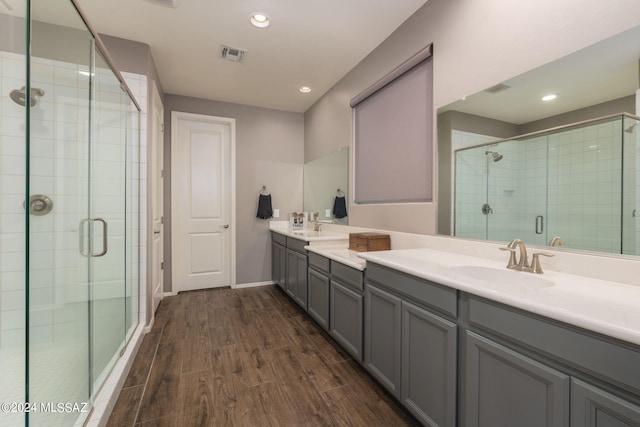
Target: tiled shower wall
{"points": [[469, 185], [572, 179]]}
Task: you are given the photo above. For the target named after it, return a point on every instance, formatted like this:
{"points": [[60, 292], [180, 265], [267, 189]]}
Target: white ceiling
{"points": [[310, 43]]}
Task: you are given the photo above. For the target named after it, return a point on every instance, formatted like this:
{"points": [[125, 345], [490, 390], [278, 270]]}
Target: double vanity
{"points": [[461, 340]]}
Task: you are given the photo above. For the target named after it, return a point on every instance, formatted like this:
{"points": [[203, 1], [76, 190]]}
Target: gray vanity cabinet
{"points": [[593, 407], [505, 388], [289, 266], [347, 308], [319, 283], [428, 365], [383, 315], [410, 347], [296, 283], [527, 370], [278, 263]]}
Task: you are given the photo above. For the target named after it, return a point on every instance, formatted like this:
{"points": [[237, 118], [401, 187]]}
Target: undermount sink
{"points": [[505, 277]]}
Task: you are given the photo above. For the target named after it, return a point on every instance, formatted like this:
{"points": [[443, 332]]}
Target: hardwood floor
{"points": [[247, 357]]}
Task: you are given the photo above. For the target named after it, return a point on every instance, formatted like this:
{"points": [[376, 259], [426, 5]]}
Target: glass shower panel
{"points": [[471, 193], [58, 276], [13, 131], [585, 186], [631, 187], [108, 223], [132, 213], [516, 190]]}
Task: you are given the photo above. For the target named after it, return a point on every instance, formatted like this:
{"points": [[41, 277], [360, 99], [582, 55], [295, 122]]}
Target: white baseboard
{"points": [[168, 294], [147, 328], [106, 397], [252, 285]]}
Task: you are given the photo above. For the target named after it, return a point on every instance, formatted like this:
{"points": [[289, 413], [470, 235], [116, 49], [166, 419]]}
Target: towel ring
{"points": [[264, 191], [339, 192]]}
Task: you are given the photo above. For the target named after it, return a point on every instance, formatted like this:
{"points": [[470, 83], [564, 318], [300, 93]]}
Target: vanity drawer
{"points": [[437, 297], [278, 238], [615, 361], [296, 245], [347, 276], [319, 262]]}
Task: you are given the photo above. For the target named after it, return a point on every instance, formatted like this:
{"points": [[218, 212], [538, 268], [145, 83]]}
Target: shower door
{"points": [[58, 174], [78, 313], [106, 221], [517, 191]]}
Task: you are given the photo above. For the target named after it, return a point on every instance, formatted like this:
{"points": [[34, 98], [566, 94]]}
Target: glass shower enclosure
{"points": [[68, 220], [579, 183]]}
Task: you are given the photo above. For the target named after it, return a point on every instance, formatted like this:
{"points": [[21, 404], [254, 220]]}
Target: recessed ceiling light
{"points": [[305, 89], [260, 20], [549, 97]]}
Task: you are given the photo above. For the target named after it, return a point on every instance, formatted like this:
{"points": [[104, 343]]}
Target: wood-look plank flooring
{"points": [[247, 357]]}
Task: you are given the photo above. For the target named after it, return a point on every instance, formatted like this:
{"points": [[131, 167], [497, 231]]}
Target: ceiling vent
{"points": [[165, 3], [234, 54], [500, 87]]}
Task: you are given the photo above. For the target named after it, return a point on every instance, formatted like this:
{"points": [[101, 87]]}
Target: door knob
{"points": [[226, 226]]}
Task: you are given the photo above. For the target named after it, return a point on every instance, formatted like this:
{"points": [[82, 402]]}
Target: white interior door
{"points": [[157, 197], [201, 201]]}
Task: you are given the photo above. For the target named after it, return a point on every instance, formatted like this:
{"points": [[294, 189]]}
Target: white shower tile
{"points": [[12, 300]]}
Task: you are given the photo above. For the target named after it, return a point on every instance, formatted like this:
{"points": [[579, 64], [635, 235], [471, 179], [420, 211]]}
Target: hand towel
{"points": [[265, 209], [340, 207]]}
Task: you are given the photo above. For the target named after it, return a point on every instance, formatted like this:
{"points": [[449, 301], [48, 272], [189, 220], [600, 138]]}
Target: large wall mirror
{"points": [[563, 170], [326, 181]]}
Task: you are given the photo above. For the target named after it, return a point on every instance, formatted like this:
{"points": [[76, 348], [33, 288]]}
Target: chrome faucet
{"points": [[557, 240], [522, 263]]}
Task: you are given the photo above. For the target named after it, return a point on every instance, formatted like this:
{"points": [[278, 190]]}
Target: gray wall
{"points": [[477, 43], [269, 151]]}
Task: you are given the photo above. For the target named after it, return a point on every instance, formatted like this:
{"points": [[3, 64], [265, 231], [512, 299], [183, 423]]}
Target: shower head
{"points": [[19, 96], [495, 156]]}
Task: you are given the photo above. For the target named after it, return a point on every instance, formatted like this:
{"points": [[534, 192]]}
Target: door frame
{"points": [[231, 123]]}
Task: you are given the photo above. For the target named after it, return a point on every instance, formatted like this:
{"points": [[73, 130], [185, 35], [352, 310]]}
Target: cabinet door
{"points": [[278, 263], [291, 285], [428, 366], [593, 407], [282, 270], [318, 307], [300, 291], [503, 388], [346, 318], [275, 263], [382, 337]]}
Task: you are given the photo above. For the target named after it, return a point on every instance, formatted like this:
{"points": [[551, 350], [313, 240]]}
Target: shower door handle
{"points": [[539, 224], [105, 243], [105, 234]]}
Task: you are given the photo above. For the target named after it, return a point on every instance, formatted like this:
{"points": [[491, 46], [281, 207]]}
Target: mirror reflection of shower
{"points": [[495, 156], [19, 96]]}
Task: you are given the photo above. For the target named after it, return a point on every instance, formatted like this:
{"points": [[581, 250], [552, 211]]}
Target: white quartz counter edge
{"points": [[608, 308], [340, 254], [312, 236]]}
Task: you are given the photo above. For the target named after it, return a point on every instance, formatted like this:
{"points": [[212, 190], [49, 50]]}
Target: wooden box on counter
{"points": [[367, 242]]}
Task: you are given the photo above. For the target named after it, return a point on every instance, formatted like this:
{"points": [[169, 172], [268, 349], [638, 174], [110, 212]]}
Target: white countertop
{"points": [[609, 308], [310, 236]]}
